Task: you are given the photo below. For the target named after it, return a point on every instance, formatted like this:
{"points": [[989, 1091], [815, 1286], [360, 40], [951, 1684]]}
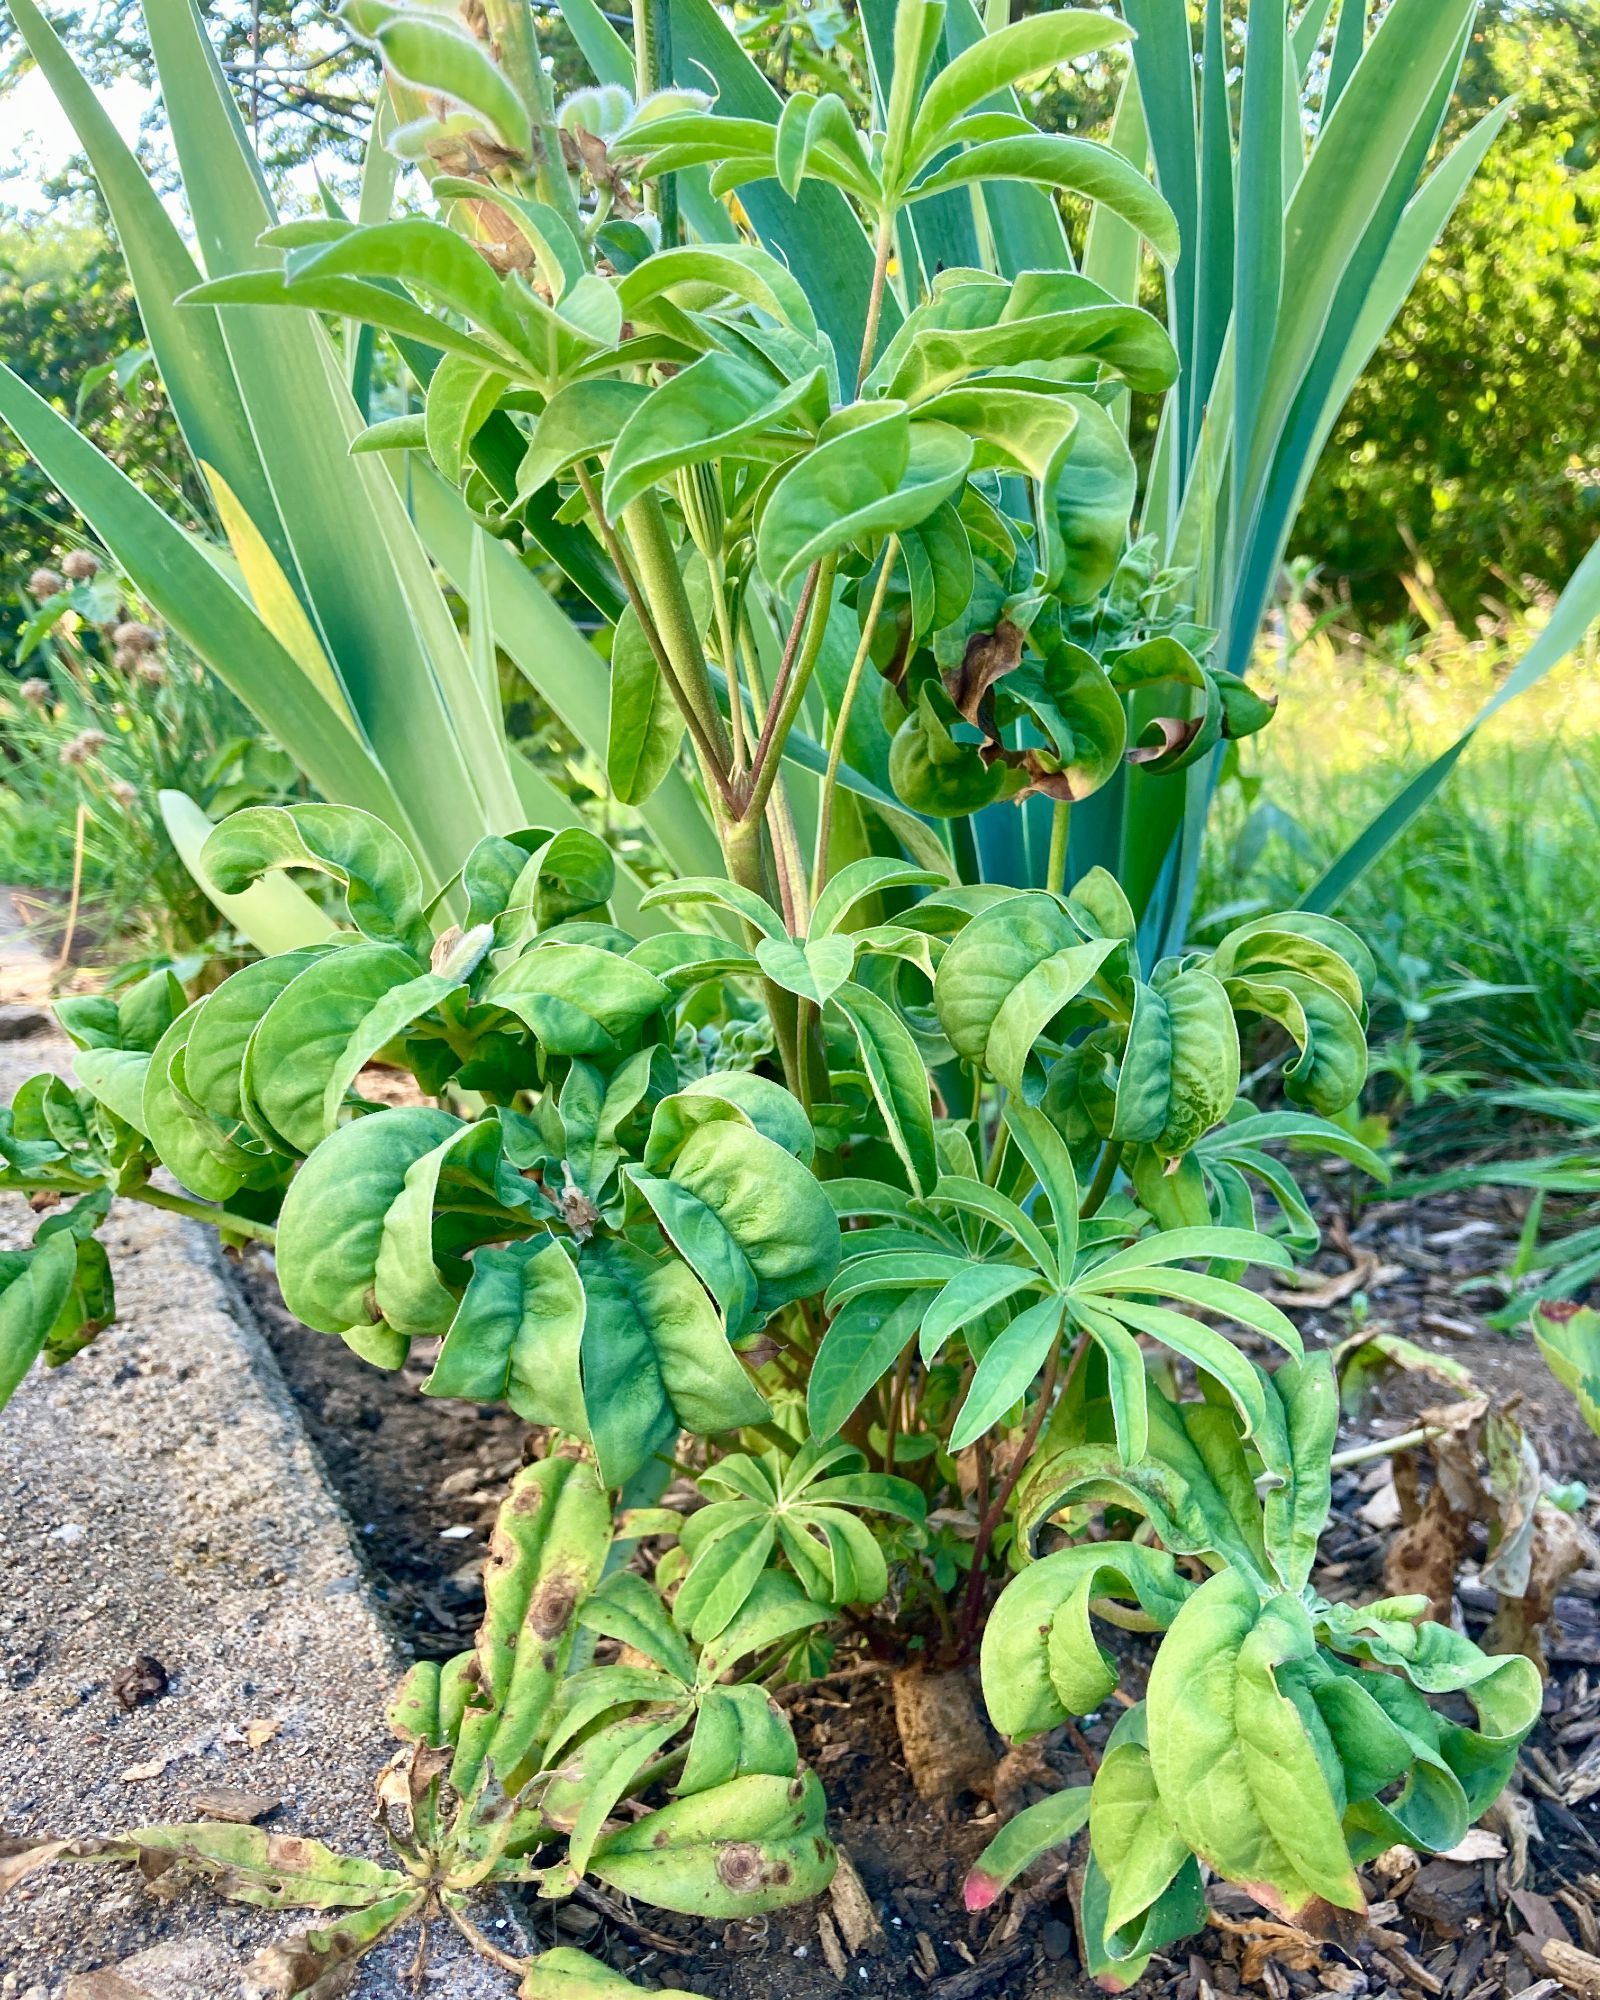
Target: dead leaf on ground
{"points": [[229, 1802], [152, 1767], [852, 1909], [1477, 1844], [143, 1679], [25, 1861], [1266, 1939], [1366, 1274], [256, 1734], [832, 1950], [1558, 1547], [1423, 1559]]}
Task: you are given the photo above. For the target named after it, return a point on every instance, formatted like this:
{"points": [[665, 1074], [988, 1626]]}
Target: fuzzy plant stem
{"points": [[847, 701], [1104, 1174], [995, 1512], [662, 583], [880, 281], [715, 769], [204, 1211], [516, 43], [789, 690], [1055, 874]]}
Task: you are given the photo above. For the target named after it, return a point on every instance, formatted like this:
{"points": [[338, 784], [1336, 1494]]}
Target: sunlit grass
{"points": [[1483, 915]]}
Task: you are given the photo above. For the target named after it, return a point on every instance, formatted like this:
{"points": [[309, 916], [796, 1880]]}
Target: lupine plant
{"points": [[612, 1219], [838, 1180]]}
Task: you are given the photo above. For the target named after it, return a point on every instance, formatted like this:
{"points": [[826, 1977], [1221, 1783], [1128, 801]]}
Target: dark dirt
{"points": [[422, 1479]]}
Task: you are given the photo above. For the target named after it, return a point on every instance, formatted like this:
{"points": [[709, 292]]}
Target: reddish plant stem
{"points": [[994, 1513]]}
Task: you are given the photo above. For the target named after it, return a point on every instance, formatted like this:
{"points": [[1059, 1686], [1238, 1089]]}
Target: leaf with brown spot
{"points": [[320, 1964], [755, 1843]]}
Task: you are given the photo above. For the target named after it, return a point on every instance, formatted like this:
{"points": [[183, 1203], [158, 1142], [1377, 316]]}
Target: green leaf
{"points": [[579, 422], [897, 1077], [1237, 1761], [379, 881], [1006, 976], [626, 1608], [275, 915], [731, 896], [1040, 1661], [318, 1031], [214, 1055], [741, 270], [546, 1553], [461, 395], [645, 726], [1131, 1834], [656, 1358], [875, 475], [718, 407], [35, 1286], [577, 999], [432, 53], [203, 1154], [275, 1871], [1569, 1339], [116, 1078], [767, 1105], [748, 1217], [1076, 166], [965, 1298], [740, 1731], [331, 1228], [815, 968], [756, 1843], [565, 1973], [724, 1568], [873, 875], [1046, 1153], [1008, 1366], [859, 1348], [1025, 1837], [517, 1336], [1015, 54]]}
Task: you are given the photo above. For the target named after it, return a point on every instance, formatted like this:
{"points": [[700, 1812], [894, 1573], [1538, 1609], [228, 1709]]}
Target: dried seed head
{"points": [[45, 582], [35, 689], [83, 746], [80, 565], [126, 795], [133, 637], [123, 660], [150, 671]]}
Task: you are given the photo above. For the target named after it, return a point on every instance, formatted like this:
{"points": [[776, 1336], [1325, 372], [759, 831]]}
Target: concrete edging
{"points": [[159, 1496]]}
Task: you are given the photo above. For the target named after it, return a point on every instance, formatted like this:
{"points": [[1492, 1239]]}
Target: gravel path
{"points": [[158, 1496]]}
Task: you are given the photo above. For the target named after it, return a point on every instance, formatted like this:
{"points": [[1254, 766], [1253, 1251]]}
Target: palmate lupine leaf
{"points": [[1283, 1741]]}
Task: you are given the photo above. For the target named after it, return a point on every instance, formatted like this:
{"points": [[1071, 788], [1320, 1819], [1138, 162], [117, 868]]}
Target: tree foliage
{"points": [[66, 312], [1471, 442]]}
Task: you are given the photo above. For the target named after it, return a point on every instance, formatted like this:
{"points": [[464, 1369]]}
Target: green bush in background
{"points": [[1472, 442]]}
